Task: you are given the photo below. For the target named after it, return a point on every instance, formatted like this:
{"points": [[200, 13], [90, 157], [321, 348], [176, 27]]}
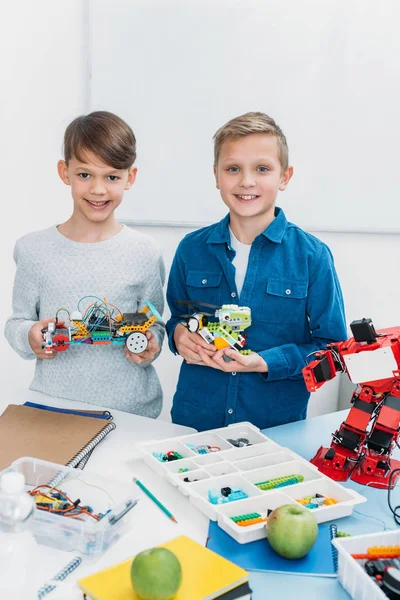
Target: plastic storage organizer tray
{"points": [[352, 575], [89, 537], [242, 468]]}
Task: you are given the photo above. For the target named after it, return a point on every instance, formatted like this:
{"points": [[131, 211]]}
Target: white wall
{"points": [[325, 70], [43, 77]]}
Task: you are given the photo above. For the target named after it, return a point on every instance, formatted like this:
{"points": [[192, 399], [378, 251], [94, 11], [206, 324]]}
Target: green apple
{"points": [[292, 530], [156, 574]]}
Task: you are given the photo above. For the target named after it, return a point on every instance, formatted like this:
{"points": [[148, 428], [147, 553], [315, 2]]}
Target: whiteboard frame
{"points": [[194, 225]]}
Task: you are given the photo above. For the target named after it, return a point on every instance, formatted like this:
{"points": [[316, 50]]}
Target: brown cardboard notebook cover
{"points": [[52, 436]]}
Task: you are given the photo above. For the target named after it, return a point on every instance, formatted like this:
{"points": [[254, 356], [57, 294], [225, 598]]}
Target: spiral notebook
{"points": [[59, 437], [321, 561]]}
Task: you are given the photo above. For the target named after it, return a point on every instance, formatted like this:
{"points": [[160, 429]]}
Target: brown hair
{"points": [[104, 134], [252, 122]]}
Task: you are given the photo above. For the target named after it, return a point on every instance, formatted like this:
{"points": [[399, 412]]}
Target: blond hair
{"points": [[252, 122]]}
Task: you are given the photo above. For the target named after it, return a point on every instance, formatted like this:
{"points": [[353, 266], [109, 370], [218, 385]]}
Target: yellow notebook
{"points": [[206, 575]]}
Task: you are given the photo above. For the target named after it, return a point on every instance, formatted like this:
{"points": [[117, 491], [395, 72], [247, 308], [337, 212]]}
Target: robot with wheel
{"points": [[226, 331], [101, 324]]}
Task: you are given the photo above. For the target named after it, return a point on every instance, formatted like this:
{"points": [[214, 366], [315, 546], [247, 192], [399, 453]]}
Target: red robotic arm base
{"points": [[361, 448]]}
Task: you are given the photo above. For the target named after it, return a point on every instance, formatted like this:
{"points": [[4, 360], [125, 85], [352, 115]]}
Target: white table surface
{"points": [[116, 457]]}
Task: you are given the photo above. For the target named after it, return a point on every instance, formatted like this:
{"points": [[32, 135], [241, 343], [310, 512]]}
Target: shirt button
{"points": [[230, 411], [233, 295], [204, 281], [233, 374], [288, 292]]}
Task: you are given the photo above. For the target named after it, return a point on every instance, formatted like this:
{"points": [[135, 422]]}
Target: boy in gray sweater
{"points": [[91, 253]]}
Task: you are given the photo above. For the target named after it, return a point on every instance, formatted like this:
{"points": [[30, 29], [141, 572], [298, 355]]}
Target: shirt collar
{"points": [[274, 232]]}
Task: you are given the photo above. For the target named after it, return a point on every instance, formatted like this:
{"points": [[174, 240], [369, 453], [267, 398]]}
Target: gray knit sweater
{"points": [[54, 272]]}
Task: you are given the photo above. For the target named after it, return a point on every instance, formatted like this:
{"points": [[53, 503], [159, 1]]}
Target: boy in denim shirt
{"points": [[253, 257]]}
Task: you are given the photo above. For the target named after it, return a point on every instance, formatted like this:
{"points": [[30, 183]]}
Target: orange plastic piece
{"points": [[220, 343], [383, 550], [329, 501], [142, 328], [251, 521]]}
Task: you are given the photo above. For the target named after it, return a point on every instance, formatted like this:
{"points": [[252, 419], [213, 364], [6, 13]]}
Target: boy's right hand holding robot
{"points": [[35, 337]]}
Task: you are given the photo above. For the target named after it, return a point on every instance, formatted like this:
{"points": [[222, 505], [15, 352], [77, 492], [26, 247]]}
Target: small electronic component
{"points": [[239, 443], [57, 502], [167, 456], [391, 582], [386, 574], [315, 501], [203, 449], [226, 494]]}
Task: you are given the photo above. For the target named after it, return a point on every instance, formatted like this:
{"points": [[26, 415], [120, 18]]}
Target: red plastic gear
{"points": [[59, 344]]}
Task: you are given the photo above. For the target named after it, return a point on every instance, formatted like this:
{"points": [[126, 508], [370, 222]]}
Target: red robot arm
{"points": [[362, 446]]}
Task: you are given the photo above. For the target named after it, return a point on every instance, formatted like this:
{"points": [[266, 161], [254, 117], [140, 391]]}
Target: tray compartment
{"points": [[260, 505], [268, 447], [222, 468], [242, 430], [284, 469], [267, 460], [346, 498], [199, 492], [207, 438]]}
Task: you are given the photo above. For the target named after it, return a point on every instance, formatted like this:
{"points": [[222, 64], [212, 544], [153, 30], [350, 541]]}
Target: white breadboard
{"points": [[352, 575], [242, 468]]}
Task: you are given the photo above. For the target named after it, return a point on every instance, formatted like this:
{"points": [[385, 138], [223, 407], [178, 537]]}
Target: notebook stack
{"points": [[65, 437], [205, 576]]}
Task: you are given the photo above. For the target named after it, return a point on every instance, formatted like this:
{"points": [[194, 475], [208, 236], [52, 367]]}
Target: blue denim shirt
{"points": [[297, 307]]}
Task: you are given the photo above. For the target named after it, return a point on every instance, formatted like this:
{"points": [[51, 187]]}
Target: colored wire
{"points": [[65, 310], [74, 510], [108, 315], [64, 481], [84, 298]]}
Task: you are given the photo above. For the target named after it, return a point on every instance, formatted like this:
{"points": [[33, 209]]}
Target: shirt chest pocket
{"points": [[204, 286], [284, 301]]}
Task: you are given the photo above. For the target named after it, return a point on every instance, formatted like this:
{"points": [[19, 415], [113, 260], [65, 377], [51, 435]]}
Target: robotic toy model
{"points": [[101, 324], [362, 446], [226, 332]]}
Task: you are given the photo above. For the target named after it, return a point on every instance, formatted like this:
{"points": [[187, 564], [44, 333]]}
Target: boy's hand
{"points": [[35, 338], [149, 354], [187, 344], [240, 363]]}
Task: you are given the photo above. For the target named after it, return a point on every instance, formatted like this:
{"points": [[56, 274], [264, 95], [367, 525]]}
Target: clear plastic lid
{"points": [[12, 483]]}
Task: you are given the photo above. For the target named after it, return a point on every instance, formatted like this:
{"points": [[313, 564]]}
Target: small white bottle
{"points": [[17, 543]]}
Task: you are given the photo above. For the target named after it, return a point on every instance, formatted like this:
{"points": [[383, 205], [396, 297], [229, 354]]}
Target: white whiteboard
{"points": [[327, 71]]}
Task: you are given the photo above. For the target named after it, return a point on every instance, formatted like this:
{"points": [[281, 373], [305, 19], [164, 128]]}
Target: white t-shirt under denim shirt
{"points": [[240, 261]]}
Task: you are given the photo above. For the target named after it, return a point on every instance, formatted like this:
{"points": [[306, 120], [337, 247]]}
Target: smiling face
{"points": [[97, 189], [249, 176]]}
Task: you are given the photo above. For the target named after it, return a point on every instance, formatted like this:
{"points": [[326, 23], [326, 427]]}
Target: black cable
{"points": [[396, 510]]}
